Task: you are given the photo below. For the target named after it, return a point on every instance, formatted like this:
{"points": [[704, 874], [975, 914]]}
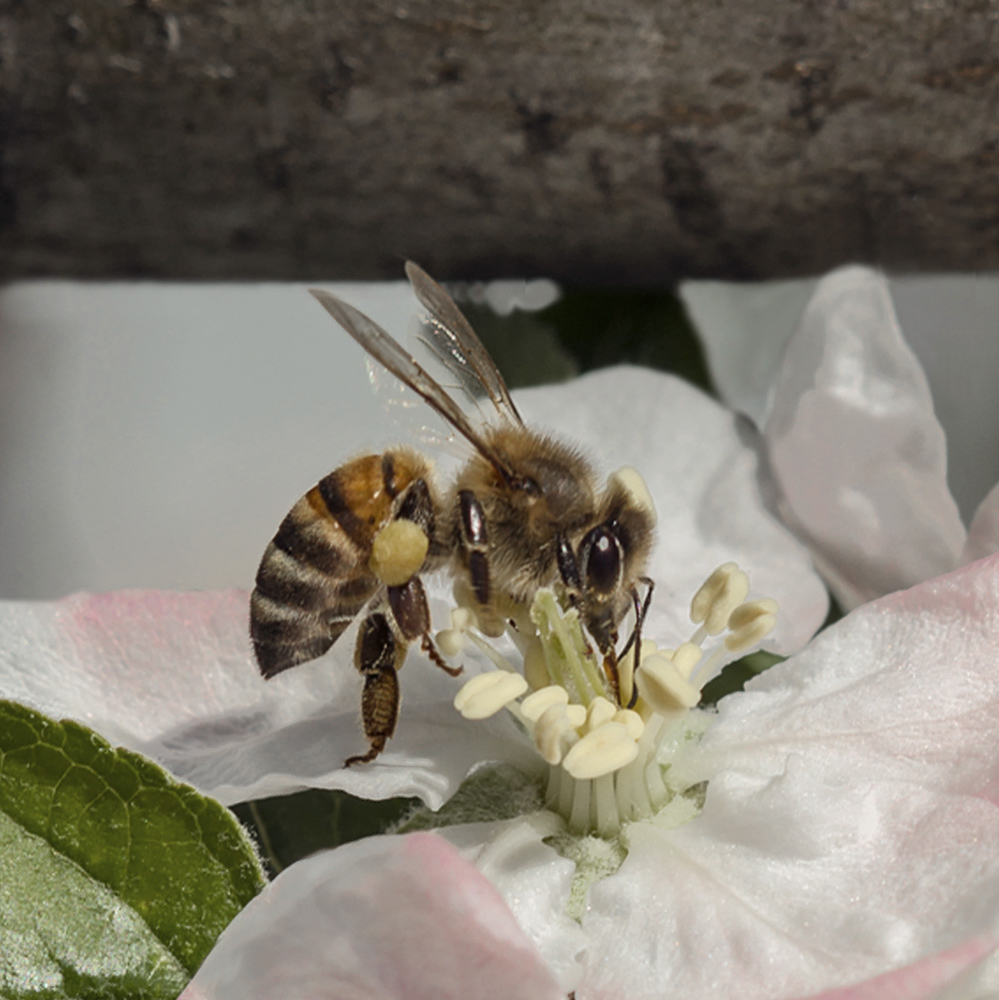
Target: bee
{"points": [[524, 512]]}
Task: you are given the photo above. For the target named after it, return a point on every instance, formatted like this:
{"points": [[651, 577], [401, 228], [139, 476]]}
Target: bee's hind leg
{"points": [[378, 655], [412, 617]]}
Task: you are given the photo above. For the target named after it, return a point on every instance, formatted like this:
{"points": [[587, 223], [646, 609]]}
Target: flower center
{"points": [[608, 759]]}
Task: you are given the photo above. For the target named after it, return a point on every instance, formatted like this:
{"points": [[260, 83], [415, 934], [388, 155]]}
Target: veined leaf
{"points": [[115, 880]]}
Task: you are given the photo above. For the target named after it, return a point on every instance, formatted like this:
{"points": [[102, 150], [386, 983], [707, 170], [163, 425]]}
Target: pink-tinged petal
{"points": [[850, 825], [703, 478], [388, 918], [534, 881], [922, 980], [172, 675], [855, 448]]}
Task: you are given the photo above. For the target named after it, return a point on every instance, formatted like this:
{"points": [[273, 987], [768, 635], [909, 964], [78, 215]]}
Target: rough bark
{"points": [[614, 141]]}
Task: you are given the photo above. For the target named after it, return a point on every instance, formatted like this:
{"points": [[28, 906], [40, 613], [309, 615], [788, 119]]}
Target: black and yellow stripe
{"points": [[314, 577]]}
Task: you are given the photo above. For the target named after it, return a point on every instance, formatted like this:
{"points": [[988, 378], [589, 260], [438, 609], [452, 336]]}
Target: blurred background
{"points": [[173, 175]]}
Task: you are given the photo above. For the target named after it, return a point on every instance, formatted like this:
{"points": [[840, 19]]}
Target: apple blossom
{"points": [[192, 698], [857, 453], [850, 824]]}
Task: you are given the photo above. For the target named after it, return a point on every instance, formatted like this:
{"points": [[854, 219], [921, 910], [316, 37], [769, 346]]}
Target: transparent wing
{"points": [[388, 352], [411, 417], [451, 341]]}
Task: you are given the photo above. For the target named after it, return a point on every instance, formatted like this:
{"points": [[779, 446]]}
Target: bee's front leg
{"points": [[378, 656]]}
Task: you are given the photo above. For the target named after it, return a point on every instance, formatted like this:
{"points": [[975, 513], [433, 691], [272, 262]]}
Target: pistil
{"points": [[608, 764]]}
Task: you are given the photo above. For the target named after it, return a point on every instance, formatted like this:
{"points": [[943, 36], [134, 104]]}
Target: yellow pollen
{"points": [[397, 552]]}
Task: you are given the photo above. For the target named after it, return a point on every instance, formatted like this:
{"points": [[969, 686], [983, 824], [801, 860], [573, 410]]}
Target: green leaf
{"points": [[526, 349], [600, 327], [736, 673], [291, 827], [115, 880], [491, 793]]}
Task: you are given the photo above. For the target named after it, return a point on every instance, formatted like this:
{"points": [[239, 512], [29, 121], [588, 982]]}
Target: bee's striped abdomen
{"points": [[314, 577]]}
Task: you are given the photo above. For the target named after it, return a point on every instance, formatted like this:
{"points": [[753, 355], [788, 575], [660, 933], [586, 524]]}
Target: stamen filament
{"points": [[609, 764]]}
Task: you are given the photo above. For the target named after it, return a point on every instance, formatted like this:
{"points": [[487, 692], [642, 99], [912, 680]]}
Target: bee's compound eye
{"points": [[600, 558]]}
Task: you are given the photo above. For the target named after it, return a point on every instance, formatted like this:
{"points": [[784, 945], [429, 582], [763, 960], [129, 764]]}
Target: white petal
{"points": [[387, 918], [172, 675], [703, 478], [954, 974], [533, 880], [850, 825], [744, 329], [855, 447]]}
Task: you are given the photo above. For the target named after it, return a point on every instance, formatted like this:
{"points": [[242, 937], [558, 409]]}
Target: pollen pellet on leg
{"points": [[397, 552], [484, 695]]}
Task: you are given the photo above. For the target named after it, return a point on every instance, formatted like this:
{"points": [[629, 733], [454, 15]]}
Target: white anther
{"points": [[686, 656], [462, 619], [751, 623], [450, 641], [600, 752], [718, 597], [487, 693], [600, 711], [398, 551], [576, 714], [633, 483], [535, 705], [535, 664], [663, 687], [554, 733], [631, 721]]}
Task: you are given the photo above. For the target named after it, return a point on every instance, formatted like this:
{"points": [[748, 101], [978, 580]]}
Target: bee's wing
{"points": [[386, 350], [453, 342]]}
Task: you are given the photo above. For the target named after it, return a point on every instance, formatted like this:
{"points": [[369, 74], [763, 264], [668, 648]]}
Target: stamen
{"points": [[601, 751], [750, 623], [718, 597], [609, 764], [484, 695], [663, 686]]}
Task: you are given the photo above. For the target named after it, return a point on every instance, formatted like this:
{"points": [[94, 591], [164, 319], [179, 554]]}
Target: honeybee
{"points": [[524, 512]]}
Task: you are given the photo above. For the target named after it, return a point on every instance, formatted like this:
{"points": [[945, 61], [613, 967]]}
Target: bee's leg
{"points": [[378, 655], [611, 671], [418, 507], [412, 617], [475, 537], [635, 639]]}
